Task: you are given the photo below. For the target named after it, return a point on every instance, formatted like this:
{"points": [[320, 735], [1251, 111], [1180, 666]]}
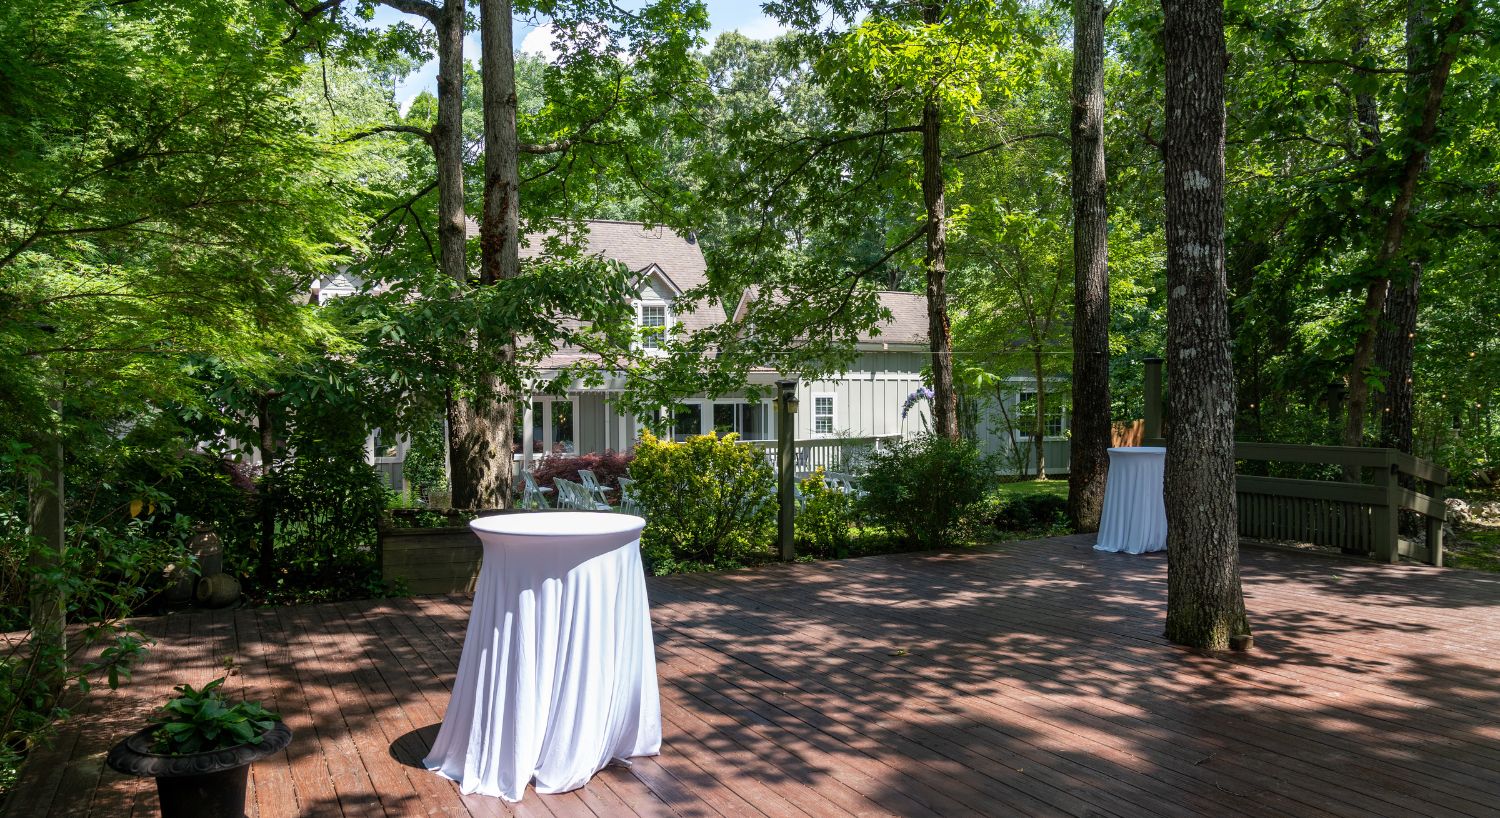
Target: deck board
{"points": [[1017, 679]]}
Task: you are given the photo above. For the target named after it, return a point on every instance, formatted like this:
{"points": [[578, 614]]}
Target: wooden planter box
{"points": [[441, 560], [431, 560]]}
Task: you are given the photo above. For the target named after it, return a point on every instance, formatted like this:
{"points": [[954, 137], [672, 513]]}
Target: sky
{"points": [[532, 38]]}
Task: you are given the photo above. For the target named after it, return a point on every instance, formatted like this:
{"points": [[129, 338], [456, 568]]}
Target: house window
{"points": [[687, 421], [1056, 423], [653, 325], [749, 421], [822, 416], [551, 426]]}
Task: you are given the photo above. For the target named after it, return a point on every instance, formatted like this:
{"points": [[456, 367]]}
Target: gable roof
{"points": [[675, 258], [907, 324]]}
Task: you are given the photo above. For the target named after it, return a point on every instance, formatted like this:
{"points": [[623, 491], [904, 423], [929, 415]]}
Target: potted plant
{"points": [[199, 748]]}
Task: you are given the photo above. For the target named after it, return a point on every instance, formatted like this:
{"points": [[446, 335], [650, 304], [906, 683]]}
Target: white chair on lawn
{"points": [[628, 502], [590, 482], [533, 495], [572, 495]]}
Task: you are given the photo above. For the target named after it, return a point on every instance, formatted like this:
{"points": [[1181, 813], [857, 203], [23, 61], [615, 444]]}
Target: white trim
{"points": [[640, 325], [833, 414]]}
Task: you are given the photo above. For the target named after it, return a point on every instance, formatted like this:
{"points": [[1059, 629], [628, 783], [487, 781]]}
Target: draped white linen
{"points": [[1135, 516], [558, 671]]}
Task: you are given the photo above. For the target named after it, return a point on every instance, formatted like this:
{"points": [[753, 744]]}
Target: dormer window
{"points": [[654, 321]]}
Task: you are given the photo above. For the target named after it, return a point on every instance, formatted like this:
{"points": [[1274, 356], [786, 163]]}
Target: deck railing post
{"points": [[1384, 530], [1435, 527], [1153, 400], [786, 462]]}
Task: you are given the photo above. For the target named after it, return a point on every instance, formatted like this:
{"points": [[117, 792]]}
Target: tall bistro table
{"points": [[558, 671], [1134, 519]]}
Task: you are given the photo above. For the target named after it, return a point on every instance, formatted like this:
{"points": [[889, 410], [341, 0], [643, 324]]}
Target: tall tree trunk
{"points": [[1420, 143], [1395, 346], [486, 454], [1089, 459], [1205, 604], [1039, 429], [471, 448], [939, 331]]}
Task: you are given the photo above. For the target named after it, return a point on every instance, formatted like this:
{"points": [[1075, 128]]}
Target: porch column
{"points": [[786, 457], [526, 441]]}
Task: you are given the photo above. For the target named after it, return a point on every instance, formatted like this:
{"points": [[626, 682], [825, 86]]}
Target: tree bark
{"points": [[1089, 458], [1395, 225], [1395, 346], [1205, 603], [939, 330], [1039, 429], [485, 452]]}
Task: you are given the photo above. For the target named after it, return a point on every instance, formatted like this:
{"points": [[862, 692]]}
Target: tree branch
{"points": [[1010, 141], [425, 134]]}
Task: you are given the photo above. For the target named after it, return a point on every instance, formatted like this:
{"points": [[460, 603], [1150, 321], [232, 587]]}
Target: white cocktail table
{"points": [[558, 671], [1135, 517]]}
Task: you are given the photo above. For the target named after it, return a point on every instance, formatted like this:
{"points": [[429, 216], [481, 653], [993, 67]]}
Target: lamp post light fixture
{"points": [[786, 457]]}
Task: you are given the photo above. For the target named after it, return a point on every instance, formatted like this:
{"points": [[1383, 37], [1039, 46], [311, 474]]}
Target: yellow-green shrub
{"points": [[824, 519], [709, 502]]}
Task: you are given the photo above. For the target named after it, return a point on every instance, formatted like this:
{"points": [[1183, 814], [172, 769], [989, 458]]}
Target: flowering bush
{"points": [[609, 466], [921, 393]]}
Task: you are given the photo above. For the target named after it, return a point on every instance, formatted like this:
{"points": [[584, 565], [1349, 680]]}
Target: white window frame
{"points": [[833, 414], [664, 336], [528, 413], [1025, 435], [769, 433]]}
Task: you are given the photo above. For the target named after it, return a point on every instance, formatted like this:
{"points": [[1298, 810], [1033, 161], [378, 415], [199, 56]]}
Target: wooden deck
{"points": [[1026, 678]]}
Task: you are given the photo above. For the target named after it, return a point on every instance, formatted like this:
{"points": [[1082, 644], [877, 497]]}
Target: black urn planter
{"points": [[201, 785]]}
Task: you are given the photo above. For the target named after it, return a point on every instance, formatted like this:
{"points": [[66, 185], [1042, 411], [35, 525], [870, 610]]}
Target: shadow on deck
{"points": [[1018, 679]]}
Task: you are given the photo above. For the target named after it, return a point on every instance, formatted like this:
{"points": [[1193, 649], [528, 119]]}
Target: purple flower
{"points": [[922, 393]]}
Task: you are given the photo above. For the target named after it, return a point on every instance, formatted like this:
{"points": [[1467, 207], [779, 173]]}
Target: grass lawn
{"points": [[1027, 488], [1483, 557]]}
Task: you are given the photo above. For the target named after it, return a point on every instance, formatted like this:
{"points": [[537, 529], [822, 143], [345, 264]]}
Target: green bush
{"points": [[920, 488], [328, 504], [709, 503], [824, 520], [1031, 512], [424, 469]]}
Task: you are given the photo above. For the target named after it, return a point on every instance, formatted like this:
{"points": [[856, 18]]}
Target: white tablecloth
{"points": [[558, 671], [1135, 517]]}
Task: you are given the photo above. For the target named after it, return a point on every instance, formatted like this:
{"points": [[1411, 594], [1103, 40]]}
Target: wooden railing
{"points": [[1356, 512], [1352, 515], [831, 453], [1359, 512]]}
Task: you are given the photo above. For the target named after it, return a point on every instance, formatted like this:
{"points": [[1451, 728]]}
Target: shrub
{"points": [[919, 488], [1031, 512], [823, 521], [328, 504], [709, 502], [424, 470], [609, 466]]}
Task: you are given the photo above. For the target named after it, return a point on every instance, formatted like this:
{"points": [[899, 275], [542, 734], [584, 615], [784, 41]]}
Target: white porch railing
{"points": [[831, 453]]}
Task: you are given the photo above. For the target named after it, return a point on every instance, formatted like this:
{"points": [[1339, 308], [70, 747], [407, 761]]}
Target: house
{"points": [[862, 404]]}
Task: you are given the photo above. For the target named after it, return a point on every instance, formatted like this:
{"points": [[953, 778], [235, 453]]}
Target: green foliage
{"points": [[709, 502], [425, 469], [328, 504], [824, 521], [921, 487], [1040, 513], [203, 720]]}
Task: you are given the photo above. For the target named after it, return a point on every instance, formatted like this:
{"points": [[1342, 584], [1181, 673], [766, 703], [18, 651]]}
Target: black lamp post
{"points": [[786, 457]]}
